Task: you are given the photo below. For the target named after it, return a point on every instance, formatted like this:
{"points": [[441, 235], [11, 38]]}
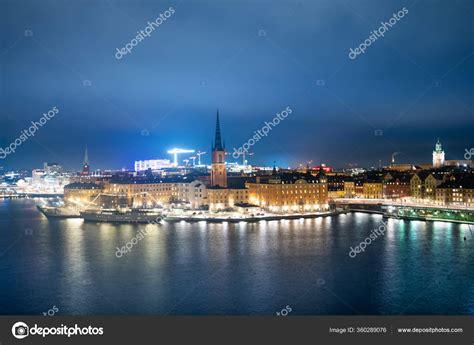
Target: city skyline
{"points": [[393, 98], [167, 155], [203, 163]]}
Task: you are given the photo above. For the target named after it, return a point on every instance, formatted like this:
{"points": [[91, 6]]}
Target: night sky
{"points": [[250, 59]]}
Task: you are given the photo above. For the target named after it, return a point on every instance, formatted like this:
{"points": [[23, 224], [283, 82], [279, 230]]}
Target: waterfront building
{"points": [[373, 189], [396, 185], [416, 184], [423, 184], [220, 198], [193, 193], [336, 186], [432, 181], [290, 192], [456, 191], [359, 188], [438, 156], [349, 189], [81, 193]]}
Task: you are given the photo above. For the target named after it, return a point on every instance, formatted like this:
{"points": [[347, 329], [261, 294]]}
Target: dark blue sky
{"points": [[415, 84]]}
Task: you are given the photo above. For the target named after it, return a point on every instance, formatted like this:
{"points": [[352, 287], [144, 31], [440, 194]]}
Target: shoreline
{"points": [[425, 219], [174, 219]]}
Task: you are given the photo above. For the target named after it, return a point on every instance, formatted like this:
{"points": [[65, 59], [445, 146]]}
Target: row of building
{"points": [[443, 186], [289, 192], [276, 191]]}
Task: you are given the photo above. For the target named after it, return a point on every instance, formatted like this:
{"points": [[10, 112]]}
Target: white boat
{"points": [[58, 211], [118, 216]]}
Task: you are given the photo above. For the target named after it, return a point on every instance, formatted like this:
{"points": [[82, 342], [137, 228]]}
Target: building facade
{"points": [[290, 193], [456, 192], [373, 190]]}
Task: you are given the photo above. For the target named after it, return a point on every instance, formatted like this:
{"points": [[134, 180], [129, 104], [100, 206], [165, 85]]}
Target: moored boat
{"points": [[118, 216], [58, 211]]}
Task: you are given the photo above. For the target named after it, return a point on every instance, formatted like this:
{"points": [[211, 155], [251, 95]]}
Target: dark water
{"points": [[245, 268]]}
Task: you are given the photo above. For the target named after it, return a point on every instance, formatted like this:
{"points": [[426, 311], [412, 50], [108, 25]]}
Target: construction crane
{"points": [[175, 153], [199, 154], [194, 160], [244, 161]]}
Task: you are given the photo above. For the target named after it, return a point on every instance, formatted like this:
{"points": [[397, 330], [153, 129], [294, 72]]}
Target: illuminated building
{"points": [[218, 169], [292, 192], [438, 156], [423, 184], [153, 164], [401, 167], [193, 193], [219, 198], [459, 163], [81, 193], [396, 185], [459, 192], [373, 190], [50, 168], [349, 189], [336, 185]]}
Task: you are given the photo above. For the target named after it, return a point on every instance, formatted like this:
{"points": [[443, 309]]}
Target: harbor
{"points": [[408, 211], [248, 262]]}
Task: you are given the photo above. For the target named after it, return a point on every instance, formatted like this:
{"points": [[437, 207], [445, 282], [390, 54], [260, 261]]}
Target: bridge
{"points": [[410, 209]]}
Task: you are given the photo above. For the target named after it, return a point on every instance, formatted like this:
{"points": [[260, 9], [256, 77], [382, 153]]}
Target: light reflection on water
{"points": [[226, 268]]}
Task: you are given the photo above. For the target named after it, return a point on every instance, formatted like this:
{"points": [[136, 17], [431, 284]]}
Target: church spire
{"points": [[85, 167], [86, 157], [438, 147], [218, 140]]}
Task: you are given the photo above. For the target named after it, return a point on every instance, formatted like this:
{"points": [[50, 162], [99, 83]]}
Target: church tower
{"points": [[218, 171], [86, 169], [438, 156]]}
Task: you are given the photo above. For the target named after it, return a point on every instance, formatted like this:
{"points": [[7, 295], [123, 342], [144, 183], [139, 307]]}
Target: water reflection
{"points": [[243, 268]]}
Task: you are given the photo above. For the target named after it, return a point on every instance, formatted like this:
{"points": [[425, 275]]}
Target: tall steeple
{"points": [[85, 166], [86, 157], [218, 140], [218, 170]]}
